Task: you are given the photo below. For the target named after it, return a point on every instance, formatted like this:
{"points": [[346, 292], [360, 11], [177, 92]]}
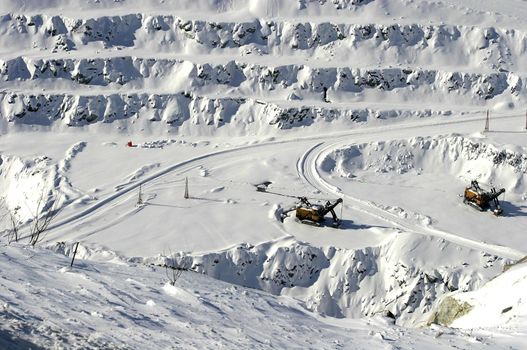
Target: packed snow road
{"points": [[225, 209]]}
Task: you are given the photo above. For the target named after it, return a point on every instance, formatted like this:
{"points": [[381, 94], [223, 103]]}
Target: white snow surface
{"points": [[381, 103]]}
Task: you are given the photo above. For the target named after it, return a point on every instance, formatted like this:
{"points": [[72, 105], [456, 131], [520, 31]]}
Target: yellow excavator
{"points": [[306, 212], [482, 200], [314, 214]]}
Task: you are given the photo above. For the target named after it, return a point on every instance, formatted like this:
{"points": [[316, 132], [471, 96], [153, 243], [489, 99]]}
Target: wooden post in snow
{"points": [[487, 122], [74, 253], [186, 188], [140, 196]]}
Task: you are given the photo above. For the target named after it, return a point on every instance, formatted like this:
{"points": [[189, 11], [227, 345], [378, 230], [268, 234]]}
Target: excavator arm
{"points": [[494, 198], [330, 208], [495, 194]]}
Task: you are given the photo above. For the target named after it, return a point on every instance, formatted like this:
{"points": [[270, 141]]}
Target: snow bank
{"points": [[33, 186], [26, 185], [458, 156], [403, 276], [420, 44], [188, 112], [301, 79], [46, 304]]}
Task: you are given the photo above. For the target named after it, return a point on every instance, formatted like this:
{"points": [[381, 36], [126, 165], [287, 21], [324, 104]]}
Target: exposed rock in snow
{"points": [[125, 70], [499, 303], [177, 110], [399, 61], [449, 310], [489, 46]]}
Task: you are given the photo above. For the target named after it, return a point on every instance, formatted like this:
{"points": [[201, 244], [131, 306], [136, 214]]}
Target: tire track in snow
{"points": [[182, 167]]}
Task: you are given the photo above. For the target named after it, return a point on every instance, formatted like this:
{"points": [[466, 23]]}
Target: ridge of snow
{"points": [[106, 305]]}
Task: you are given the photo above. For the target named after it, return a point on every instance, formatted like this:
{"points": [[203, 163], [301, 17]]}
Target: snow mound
{"points": [[457, 156], [32, 186]]}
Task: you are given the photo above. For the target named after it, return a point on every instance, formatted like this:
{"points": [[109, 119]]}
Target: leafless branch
{"points": [[10, 222], [40, 223], [12, 234], [173, 272]]}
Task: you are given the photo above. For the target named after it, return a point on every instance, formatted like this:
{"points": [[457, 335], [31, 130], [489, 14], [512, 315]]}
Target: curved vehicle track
{"points": [[307, 170]]}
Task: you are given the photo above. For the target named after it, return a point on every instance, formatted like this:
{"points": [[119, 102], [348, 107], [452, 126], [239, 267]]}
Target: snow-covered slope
{"points": [[501, 302], [46, 304], [391, 278], [268, 60]]}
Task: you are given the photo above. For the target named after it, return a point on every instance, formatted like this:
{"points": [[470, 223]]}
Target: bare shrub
{"points": [[9, 220], [173, 274], [173, 271], [12, 234], [41, 222]]}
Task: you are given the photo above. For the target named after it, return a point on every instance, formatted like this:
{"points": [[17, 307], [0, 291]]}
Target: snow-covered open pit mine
{"points": [[158, 159]]}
